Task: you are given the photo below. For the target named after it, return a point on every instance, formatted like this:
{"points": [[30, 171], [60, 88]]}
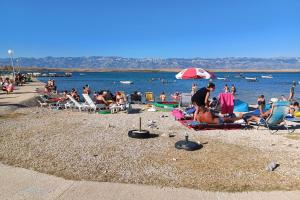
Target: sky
{"points": [[150, 28]]}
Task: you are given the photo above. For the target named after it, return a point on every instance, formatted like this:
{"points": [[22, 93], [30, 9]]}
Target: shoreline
{"points": [[42, 69]]}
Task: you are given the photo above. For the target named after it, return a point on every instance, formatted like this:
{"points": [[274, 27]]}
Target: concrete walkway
{"points": [[18, 183], [20, 94]]}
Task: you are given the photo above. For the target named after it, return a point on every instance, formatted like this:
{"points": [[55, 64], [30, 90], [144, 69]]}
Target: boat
{"points": [[81, 74], [126, 82], [267, 76], [221, 78], [251, 79]]}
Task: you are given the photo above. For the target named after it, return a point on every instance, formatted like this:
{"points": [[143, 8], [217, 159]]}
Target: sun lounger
{"points": [[91, 104], [277, 118], [79, 106]]}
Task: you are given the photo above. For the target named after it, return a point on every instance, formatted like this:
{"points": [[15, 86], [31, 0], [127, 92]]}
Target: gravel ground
{"points": [[83, 146]]}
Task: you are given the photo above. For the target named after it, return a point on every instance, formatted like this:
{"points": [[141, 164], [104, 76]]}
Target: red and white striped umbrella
{"points": [[195, 73]]}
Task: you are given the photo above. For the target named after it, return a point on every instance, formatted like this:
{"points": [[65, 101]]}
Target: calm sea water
{"points": [[246, 91]]}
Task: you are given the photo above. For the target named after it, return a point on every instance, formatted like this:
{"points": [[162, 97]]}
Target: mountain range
{"points": [[115, 62]]}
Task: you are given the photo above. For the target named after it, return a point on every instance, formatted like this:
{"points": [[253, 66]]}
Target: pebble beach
{"points": [[89, 146]]}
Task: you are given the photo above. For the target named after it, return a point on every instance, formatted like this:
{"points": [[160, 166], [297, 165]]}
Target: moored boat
{"points": [[126, 82], [221, 78], [251, 78], [267, 76]]}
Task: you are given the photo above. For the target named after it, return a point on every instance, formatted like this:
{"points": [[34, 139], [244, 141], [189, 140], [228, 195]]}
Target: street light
{"points": [[10, 53]]}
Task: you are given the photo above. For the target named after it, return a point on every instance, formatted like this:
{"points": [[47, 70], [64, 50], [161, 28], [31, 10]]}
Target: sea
{"points": [[158, 82]]}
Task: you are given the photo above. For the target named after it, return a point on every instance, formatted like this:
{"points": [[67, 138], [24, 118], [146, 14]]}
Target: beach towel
{"points": [[178, 114], [204, 126], [227, 103]]}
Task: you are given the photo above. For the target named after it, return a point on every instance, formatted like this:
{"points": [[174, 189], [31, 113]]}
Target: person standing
{"points": [[194, 89], [292, 91], [201, 98], [162, 97], [233, 89], [226, 89]]}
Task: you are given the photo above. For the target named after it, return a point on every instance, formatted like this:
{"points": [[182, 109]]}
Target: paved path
{"points": [[18, 183], [20, 94]]}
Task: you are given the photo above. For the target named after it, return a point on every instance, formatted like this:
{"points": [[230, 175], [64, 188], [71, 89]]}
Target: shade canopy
{"points": [[195, 73]]}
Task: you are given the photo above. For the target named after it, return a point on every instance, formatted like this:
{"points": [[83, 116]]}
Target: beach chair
{"points": [[136, 98], [185, 99], [91, 104], [80, 106], [276, 120], [149, 96], [44, 101]]}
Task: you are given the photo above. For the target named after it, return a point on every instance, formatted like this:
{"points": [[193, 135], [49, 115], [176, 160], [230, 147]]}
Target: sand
{"points": [[87, 146]]}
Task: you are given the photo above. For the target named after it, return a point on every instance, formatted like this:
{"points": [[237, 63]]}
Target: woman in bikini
{"points": [[205, 115]]}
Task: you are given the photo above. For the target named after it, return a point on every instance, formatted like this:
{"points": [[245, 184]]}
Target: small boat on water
{"points": [[81, 74], [251, 79], [126, 82], [221, 78], [267, 76]]}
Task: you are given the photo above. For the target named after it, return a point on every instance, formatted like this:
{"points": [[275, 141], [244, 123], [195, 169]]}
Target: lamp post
{"points": [[10, 53]]}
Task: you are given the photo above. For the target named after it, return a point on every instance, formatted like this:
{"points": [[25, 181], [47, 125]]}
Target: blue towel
{"points": [[190, 110]]}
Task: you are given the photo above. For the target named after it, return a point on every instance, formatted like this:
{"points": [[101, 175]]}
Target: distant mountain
{"points": [[156, 63]]}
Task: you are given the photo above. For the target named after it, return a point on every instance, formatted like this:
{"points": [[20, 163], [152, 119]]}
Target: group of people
{"points": [[227, 89], [175, 97], [6, 85], [204, 108]]}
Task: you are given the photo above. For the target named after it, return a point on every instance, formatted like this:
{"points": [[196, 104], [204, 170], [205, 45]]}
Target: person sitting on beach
{"points": [[64, 96], [75, 95], [201, 98], [176, 96], [101, 98], [162, 97], [10, 87], [205, 115], [294, 108], [213, 103], [120, 100], [86, 89], [263, 114], [5, 84]]}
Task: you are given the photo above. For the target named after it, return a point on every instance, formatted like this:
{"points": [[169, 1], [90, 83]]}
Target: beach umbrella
{"points": [[195, 73]]}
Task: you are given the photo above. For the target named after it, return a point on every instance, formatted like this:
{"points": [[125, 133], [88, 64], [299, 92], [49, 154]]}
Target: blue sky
{"points": [[150, 28]]}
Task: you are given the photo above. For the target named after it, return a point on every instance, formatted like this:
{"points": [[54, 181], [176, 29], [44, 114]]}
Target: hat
{"points": [[273, 100]]}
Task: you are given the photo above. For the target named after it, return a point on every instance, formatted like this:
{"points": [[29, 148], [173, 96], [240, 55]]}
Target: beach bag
{"points": [[297, 114], [178, 114]]}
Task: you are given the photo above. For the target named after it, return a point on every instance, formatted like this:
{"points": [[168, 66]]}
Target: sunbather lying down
{"points": [[205, 115]]}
